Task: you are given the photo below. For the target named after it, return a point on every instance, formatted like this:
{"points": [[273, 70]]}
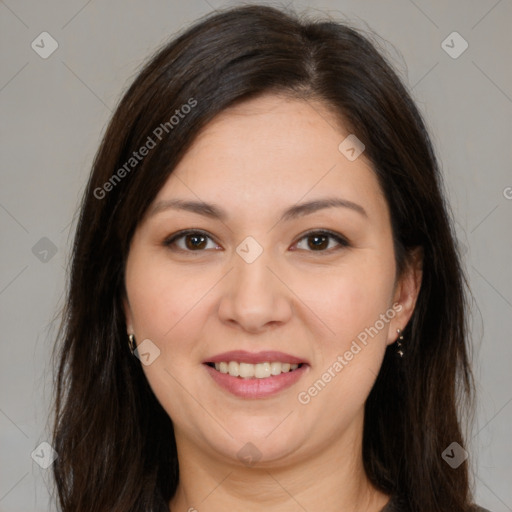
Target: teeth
{"points": [[233, 369], [275, 368], [246, 370], [260, 370]]}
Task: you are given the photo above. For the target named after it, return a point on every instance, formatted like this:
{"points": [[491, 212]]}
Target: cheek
{"points": [[350, 359], [162, 304], [159, 296], [356, 296]]}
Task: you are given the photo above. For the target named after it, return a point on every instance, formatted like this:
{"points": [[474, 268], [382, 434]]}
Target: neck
{"points": [[332, 476]]}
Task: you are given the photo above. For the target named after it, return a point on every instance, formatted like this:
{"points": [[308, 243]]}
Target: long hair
{"points": [[115, 443]]}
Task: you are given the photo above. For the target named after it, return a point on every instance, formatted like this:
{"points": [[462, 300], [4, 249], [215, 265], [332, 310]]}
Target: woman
{"points": [[266, 307]]}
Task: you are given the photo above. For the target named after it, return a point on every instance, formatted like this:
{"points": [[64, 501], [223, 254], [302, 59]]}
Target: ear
{"points": [[128, 315], [406, 293]]}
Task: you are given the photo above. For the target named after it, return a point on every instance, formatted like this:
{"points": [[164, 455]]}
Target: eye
{"points": [[319, 240], [195, 240]]}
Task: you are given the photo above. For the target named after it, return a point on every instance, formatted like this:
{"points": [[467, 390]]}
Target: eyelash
{"points": [[343, 242]]}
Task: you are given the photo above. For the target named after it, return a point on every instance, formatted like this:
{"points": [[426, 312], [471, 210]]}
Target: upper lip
{"points": [[242, 356]]}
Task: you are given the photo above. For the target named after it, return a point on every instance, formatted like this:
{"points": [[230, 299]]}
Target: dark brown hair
{"points": [[115, 442]]}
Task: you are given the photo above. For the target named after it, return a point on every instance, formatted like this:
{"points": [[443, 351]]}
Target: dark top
{"points": [[396, 504]]}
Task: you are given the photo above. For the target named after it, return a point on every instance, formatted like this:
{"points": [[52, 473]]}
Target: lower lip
{"points": [[253, 387]]}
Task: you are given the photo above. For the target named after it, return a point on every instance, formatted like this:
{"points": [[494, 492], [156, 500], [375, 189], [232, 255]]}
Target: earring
{"points": [[399, 350], [131, 342]]}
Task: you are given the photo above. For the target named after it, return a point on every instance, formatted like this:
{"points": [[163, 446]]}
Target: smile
{"points": [[255, 381], [263, 370]]}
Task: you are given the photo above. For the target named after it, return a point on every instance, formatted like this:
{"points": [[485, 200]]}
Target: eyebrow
{"points": [[214, 211]]}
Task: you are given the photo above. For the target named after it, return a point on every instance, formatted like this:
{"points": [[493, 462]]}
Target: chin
{"points": [[261, 444]]}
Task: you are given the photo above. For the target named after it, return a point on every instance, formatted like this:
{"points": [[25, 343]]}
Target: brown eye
{"points": [[318, 241], [195, 241]]}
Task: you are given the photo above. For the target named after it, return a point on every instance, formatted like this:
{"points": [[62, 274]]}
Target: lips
{"points": [[262, 383], [258, 371], [241, 356]]}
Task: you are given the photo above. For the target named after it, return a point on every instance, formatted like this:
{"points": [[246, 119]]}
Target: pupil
{"points": [[193, 245], [316, 238]]}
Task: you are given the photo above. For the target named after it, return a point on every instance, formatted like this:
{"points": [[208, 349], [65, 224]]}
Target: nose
{"points": [[255, 298]]}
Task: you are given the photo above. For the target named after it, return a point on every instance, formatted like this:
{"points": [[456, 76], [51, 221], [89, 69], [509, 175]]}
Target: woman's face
{"points": [[253, 280]]}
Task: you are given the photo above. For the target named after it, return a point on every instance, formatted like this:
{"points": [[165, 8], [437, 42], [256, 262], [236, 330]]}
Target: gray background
{"points": [[54, 111]]}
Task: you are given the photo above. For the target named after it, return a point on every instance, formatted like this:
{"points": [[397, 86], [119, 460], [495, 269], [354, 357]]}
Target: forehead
{"points": [[269, 151]]}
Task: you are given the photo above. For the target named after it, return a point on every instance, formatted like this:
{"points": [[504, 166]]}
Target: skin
{"points": [[254, 160]]}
